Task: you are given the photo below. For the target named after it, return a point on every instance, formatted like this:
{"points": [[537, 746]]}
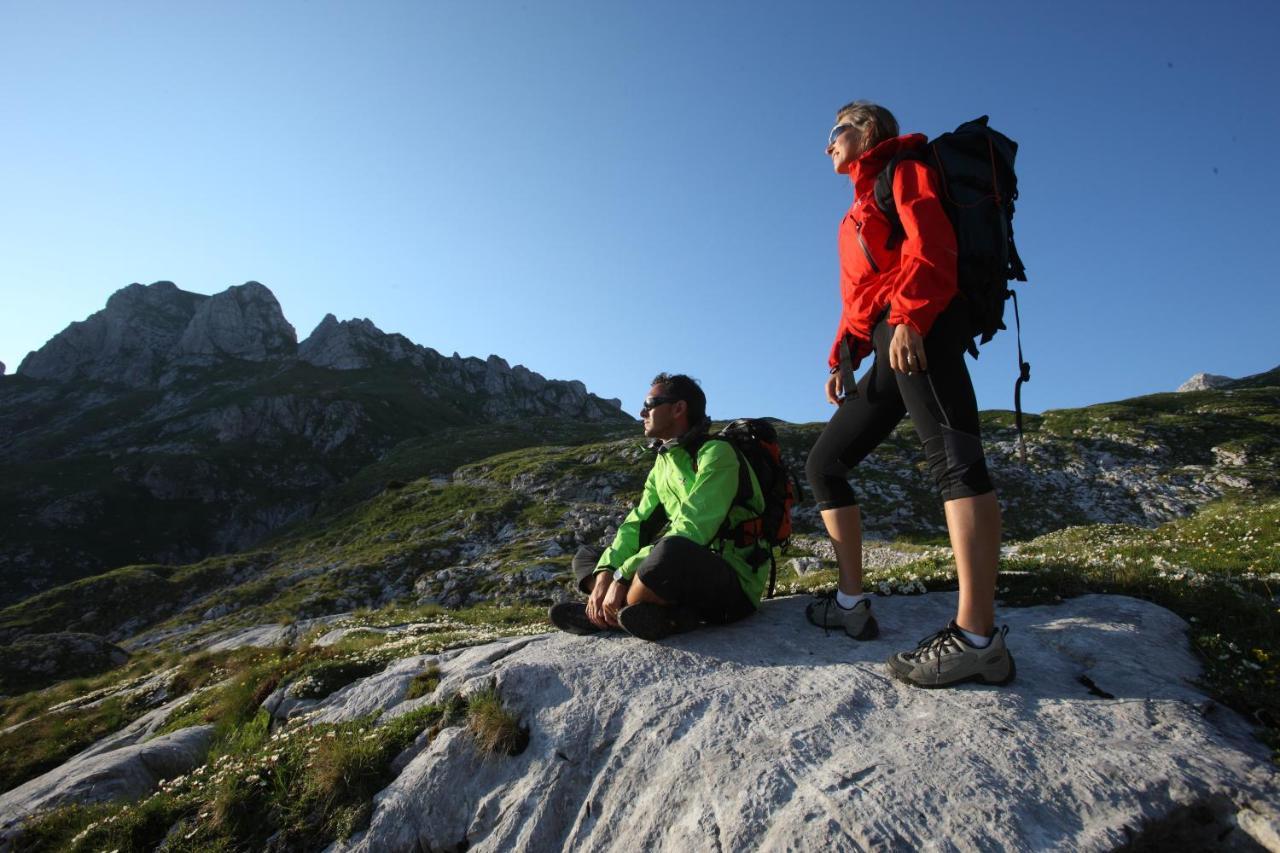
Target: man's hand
{"points": [[835, 388], [595, 601], [614, 600], [906, 351]]}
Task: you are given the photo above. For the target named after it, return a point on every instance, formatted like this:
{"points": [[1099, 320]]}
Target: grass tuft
{"points": [[496, 729]]}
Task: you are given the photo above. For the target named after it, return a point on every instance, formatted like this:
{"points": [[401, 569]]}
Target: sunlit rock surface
{"points": [[773, 735]]}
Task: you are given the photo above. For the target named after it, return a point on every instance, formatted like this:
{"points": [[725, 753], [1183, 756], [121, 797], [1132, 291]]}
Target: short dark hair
{"points": [[684, 388]]}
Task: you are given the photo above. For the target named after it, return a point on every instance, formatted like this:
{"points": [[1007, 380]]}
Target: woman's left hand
{"points": [[906, 350]]}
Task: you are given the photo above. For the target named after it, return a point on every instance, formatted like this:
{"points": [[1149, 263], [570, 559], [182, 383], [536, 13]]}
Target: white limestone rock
{"points": [[126, 773], [1205, 382], [771, 735]]}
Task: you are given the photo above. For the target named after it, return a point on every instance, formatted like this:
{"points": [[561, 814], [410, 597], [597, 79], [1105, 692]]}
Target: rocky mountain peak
{"points": [[129, 342], [240, 322], [355, 344], [1205, 382]]}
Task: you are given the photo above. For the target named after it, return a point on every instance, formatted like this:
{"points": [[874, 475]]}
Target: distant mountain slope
{"points": [[503, 527], [170, 426]]}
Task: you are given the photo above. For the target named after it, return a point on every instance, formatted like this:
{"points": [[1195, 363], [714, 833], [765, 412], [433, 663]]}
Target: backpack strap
{"points": [[741, 498], [1024, 375], [743, 495], [885, 201]]}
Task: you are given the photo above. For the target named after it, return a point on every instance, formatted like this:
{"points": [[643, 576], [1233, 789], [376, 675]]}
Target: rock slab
{"points": [[126, 773], [771, 735]]}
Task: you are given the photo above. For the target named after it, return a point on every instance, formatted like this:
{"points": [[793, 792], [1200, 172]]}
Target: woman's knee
{"points": [[957, 464], [821, 468]]}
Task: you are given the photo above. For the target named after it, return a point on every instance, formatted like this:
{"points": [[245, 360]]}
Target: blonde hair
{"points": [[872, 122]]}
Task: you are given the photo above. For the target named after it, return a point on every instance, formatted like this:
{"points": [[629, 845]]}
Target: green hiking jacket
{"points": [[694, 506]]}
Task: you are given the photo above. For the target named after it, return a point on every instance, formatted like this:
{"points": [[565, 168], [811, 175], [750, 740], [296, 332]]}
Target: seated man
{"points": [[654, 581]]}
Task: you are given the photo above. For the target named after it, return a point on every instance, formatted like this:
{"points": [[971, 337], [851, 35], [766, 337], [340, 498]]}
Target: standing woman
{"points": [[900, 302]]}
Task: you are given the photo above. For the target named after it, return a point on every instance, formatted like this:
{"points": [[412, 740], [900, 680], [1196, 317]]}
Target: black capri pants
{"points": [[940, 401]]}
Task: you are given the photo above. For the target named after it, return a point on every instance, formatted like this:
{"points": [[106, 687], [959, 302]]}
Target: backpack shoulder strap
{"points": [[743, 496], [885, 201]]}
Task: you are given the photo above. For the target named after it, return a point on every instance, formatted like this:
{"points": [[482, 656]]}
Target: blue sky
{"points": [[603, 190]]}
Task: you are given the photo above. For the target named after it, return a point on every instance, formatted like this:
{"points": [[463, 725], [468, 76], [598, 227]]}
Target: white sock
{"points": [[978, 641], [847, 602]]}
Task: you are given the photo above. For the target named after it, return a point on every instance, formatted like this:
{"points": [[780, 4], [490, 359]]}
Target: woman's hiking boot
{"points": [[658, 621], [857, 621], [947, 658], [571, 616]]}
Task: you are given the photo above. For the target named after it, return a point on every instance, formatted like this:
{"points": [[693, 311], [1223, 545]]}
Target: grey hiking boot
{"points": [[947, 658], [656, 621], [857, 621]]}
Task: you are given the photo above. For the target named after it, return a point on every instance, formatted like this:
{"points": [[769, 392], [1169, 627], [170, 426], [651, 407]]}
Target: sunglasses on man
{"points": [[652, 403]]}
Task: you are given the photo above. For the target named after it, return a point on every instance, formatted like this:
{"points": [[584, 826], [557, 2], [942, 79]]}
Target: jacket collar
{"points": [[869, 166], [689, 438]]}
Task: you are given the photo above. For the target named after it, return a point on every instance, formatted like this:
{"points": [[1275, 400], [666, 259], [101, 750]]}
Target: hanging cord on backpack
{"points": [[1024, 375]]}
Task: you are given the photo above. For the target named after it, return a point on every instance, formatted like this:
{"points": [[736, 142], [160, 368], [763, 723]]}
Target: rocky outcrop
{"points": [[129, 342], [357, 344], [771, 735], [508, 391], [240, 322], [1205, 382], [126, 773], [32, 662]]}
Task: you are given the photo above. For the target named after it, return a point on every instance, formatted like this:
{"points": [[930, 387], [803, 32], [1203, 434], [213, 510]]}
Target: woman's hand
{"points": [[835, 388], [906, 351]]}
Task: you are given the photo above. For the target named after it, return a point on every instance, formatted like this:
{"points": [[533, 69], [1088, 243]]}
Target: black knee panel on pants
{"points": [[957, 464], [828, 478]]}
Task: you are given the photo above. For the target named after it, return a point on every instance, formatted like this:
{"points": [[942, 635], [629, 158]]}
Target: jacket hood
{"points": [[869, 166]]}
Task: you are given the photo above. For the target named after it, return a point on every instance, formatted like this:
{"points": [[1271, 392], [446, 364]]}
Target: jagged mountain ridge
{"points": [[173, 425]]}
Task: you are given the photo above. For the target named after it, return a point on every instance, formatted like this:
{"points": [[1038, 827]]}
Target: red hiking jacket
{"points": [[917, 278]]}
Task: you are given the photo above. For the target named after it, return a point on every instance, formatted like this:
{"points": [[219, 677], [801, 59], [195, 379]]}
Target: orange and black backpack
{"points": [[756, 443]]}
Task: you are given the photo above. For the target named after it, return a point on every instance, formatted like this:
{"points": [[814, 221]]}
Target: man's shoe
{"points": [[947, 658], [856, 621], [571, 616], [657, 621]]}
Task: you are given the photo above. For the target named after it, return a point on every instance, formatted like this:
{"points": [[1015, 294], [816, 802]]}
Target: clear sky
{"points": [[602, 190]]}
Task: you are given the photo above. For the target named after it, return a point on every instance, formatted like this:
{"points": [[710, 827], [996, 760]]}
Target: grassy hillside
{"points": [[467, 535]]}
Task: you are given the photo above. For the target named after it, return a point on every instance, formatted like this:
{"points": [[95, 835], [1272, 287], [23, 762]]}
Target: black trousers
{"points": [[681, 571], [942, 406]]}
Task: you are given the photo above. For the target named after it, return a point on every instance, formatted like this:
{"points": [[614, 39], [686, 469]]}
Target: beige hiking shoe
{"points": [[947, 658], [857, 621]]}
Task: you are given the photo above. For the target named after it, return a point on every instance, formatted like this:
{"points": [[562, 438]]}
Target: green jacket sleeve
{"points": [[626, 543]]}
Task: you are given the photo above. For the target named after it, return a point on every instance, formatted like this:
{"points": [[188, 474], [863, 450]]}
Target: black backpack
{"points": [[974, 164], [756, 442]]}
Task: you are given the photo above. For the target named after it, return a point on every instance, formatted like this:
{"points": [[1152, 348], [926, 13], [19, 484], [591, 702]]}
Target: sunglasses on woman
{"points": [[836, 133]]}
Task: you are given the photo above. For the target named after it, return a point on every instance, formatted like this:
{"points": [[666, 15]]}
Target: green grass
{"points": [[495, 727], [423, 683], [301, 787]]}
